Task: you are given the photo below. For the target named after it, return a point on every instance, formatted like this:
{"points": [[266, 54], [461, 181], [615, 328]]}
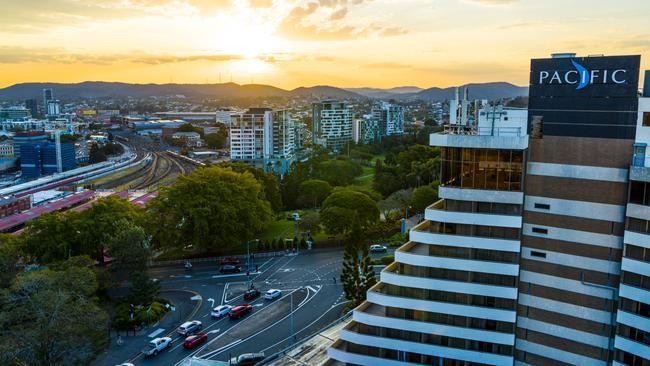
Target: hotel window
{"points": [[646, 119]]}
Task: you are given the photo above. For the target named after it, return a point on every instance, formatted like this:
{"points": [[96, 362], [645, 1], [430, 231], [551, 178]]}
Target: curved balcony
{"points": [[422, 234]]}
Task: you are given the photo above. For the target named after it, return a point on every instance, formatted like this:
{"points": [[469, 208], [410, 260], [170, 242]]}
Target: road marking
{"points": [[258, 305], [196, 298], [311, 289], [236, 274], [214, 331], [156, 332], [222, 349]]}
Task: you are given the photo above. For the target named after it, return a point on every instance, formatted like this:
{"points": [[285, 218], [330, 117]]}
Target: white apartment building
{"points": [[332, 124], [390, 118]]}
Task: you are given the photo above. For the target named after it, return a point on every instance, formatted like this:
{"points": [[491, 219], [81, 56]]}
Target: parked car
{"points": [[195, 340], [189, 327], [272, 294], [240, 310], [294, 216], [228, 268], [378, 248], [220, 311], [156, 345], [252, 294], [247, 359], [231, 261]]}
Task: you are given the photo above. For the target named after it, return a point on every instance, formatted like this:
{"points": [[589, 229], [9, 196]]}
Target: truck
{"points": [[156, 346]]}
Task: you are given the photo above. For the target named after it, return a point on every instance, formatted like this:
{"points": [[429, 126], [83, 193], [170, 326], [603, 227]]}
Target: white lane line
{"points": [[156, 332], [212, 353], [311, 289]]}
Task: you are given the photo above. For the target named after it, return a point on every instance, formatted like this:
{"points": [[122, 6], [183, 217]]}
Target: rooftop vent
{"points": [[563, 55]]}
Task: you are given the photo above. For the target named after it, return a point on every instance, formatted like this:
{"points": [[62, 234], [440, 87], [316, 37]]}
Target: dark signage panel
{"points": [[585, 96]]}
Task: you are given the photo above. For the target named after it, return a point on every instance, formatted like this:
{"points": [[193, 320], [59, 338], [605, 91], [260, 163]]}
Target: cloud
{"points": [[328, 20]]}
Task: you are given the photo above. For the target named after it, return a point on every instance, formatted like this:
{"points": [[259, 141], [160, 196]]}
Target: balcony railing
{"points": [[482, 131]]}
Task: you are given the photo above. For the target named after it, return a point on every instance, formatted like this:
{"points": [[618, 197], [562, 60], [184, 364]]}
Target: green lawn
{"points": [[278, 229]]}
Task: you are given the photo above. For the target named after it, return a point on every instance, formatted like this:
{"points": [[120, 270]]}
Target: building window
{"points": [[540, 230], [543, 206], [646, 119], [535, 253]]}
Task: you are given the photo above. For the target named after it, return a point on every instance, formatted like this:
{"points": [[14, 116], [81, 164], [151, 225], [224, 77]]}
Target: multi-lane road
{"points": [[312, 297]]}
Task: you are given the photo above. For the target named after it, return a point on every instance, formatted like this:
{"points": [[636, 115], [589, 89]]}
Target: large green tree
{"points": [[49, 317], [129, 250], [424, 196], [213, 208], [313, 192], [217, 140], [269, 182], [351, 213]]}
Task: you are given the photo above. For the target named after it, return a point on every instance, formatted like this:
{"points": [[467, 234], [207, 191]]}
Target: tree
{"points": [[49, 317], [397, 201], [142, 289], [96, 155], [213, 208], [129, 249], [9, 258], [313, 192], [268, 181], [310, 222], [217, 140], [350, 212], [424, 196]]}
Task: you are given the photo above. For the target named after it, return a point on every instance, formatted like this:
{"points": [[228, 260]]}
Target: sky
{"points": [[292, 43]]}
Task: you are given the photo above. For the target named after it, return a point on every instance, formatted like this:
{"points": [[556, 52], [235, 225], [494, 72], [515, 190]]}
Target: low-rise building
{"points": [[7, 149], [10, 205]]}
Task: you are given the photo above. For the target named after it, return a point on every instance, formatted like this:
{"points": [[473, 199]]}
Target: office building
{"points": [[332, 124], [27, 137], [264, 138], [48, 95], [7, 149], [40, 158], [538, 252], [53, 108], [390, 118], [32, 105], [14, 113]]}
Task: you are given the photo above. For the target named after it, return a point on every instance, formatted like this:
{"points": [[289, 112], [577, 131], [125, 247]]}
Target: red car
{"points": [[252, 294], [240, 310], [195, 340], [231, 261]]}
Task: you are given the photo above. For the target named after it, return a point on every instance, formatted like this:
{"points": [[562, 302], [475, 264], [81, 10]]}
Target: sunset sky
{"points": [[346, 43]]}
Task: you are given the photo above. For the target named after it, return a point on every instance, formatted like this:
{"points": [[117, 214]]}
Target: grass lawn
{"points": [[278, 229]]}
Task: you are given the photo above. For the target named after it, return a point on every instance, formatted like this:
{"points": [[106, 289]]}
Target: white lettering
{"points": [[594, 75], [556, 76], [542, 75], [615, 79], [604, 76], [571, 81]]}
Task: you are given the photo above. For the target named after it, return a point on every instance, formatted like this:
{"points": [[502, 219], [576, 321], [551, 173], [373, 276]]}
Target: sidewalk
{"points": [[132, 344]]}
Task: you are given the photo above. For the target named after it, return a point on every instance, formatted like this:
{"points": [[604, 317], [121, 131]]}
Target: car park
{"points": [[195, 340], [229, 268], [378, 248], [156, 346], [189, 327], [252, 294], [247, 359], [220, 311], [272, 294], [240, 310]]}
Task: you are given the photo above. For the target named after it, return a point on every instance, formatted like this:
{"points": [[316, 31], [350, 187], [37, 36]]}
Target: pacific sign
{"points": [[581, 76]]}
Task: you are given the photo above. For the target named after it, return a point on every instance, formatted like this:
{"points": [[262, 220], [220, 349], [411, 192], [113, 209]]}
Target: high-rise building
{"points": [[40, 158], [53, 108], [48, 95], [538, 252], [32, 105], [390, 118], [366, 130], [14, 113], [332, 124], [27, 137], [264, 138]]}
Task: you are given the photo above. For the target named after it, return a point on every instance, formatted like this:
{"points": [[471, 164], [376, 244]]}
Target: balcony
{"points": [[514, 138], [391, 275], [437, 212], [425, 234], [480, 195], [418, 255]]}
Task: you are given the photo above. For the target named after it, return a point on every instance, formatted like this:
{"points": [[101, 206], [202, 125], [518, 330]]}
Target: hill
{"points": [[489, 91]]}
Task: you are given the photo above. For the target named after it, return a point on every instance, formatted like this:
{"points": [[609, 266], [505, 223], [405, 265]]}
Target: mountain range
{"points": [[99, 89]]}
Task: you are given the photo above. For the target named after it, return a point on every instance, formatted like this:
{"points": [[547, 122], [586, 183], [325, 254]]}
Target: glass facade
{"points": [[482, 168]]}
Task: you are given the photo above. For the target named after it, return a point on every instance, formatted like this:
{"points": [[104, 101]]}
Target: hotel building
{"points": [[538, 251]]}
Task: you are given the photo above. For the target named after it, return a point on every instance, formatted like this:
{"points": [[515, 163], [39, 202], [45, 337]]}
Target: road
{"points": [[308, 279]]}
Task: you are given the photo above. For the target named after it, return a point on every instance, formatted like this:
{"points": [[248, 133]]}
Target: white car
{"points": [[272, 294], [190, 327], [221, 310], [156, 345], [378, 248]]}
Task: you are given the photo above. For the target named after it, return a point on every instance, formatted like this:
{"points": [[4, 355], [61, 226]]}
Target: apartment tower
{"points": [[332, 124]]}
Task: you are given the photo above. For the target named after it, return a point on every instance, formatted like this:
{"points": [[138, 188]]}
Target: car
{"points": [[240, 310], [231, 261], [378, 248], [293, 217], [228, 268], [156, 345], [190, 327], [220, 311], [195, 340], [272, 294], [252, 294], [247, 359]]}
